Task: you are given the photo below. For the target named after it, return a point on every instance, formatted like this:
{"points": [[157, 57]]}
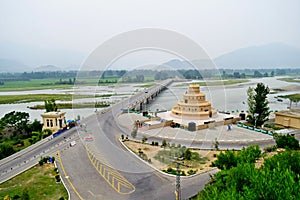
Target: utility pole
{"points": [[255, 116], [178, 188]]}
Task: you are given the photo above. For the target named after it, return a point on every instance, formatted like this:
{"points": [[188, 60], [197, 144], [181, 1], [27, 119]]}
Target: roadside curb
{"points": [[69, 196]]}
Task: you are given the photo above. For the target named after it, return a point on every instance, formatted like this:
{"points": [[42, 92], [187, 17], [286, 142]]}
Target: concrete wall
{"points": [[286, 120]]}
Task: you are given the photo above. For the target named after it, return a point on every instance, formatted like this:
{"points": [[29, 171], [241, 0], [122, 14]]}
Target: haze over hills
{"points": [[18, 58], [13, 56], [276, 55], [7, 65]]}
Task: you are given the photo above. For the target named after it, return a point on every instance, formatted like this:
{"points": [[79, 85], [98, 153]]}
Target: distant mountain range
{"points": [[275, 55], [7, 65], [15, 58], [20, 57]]}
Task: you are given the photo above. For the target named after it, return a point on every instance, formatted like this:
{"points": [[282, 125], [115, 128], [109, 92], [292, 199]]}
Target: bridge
{"points": [[100, 167], [137, 101]]}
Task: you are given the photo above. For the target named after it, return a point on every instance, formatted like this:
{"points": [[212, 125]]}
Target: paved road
{"points": [[98, 167], [27, 158], [136, 179]]}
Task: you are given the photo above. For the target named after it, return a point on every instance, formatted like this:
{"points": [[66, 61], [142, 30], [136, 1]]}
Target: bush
{"points": [[270, 148], [57, 178], [191, 172], [287, 142], [144, 139]]}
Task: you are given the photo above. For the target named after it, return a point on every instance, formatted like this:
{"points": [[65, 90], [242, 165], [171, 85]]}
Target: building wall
{"points": [[287, 120]]}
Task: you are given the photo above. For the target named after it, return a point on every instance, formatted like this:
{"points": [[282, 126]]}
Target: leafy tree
{"points": [[216, 144], [164, 143], [36, 126], [187, 155], [232, 158], [47, 132], [278, 178], [226, 160], [144, 139], [50, 105], [258, 103], [257, 74], [16, 120], [6, 150], [287, 141], [250, 154]]}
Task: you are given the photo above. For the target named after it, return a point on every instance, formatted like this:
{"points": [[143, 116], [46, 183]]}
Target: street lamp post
{"points": [[255, 116]]}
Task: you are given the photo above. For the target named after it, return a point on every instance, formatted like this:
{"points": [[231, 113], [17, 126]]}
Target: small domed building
{"points": [[194, 105]]}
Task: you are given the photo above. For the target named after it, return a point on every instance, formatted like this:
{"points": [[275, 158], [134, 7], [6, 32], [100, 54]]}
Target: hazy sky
{"points": [[218, 26]]}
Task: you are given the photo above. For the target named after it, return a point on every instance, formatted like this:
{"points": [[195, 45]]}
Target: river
{"points": [[225, 98]]}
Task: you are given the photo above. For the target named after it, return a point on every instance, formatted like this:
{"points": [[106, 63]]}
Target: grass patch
{"points": [[73, 105], [33, 84], [6, 99], [39, 181], [165, 156], [216, 83], [294, 97], [290, 80]]}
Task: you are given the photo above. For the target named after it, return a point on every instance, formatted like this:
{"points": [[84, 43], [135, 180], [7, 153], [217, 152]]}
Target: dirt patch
{"points": [[150, 151]]}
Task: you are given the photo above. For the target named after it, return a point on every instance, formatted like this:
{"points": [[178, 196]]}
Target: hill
{"points": [[274, 55]]}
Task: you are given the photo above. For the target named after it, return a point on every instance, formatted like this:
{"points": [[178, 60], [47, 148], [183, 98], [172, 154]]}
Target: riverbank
{"points": [[73, 105], [26, 98], [216, 83]]}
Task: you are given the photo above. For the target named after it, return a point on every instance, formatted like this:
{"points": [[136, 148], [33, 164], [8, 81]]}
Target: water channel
{"points": [[225, 98]]}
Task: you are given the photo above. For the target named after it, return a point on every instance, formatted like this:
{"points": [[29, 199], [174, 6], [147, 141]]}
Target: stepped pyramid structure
{"points": [[194, 105]]}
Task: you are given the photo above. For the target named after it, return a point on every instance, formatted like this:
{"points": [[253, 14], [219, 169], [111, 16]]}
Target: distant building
{"points": [[288, 118], [55, 121]]}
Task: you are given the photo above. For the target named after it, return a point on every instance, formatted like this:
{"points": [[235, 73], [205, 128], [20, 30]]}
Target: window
{"points": [[185, 101], [47, 122], [51, 123]]}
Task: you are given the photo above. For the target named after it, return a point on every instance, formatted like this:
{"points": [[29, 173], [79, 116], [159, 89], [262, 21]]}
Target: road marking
{"points": [[130, 153], [65, 174], [113, 177]]}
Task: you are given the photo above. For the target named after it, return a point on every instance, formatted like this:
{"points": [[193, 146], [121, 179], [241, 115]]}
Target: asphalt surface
{"points": [[98, 167], [27, 158]]}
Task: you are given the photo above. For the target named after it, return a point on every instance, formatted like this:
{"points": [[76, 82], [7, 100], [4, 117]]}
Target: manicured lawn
{"points": [[39, 181]]}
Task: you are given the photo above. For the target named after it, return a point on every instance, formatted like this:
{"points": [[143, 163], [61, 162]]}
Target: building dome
{"points": [[194, 105]]}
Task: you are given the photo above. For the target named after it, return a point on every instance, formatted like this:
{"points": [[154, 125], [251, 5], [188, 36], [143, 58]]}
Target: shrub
{"points": [[287, 142], [57, 178]]}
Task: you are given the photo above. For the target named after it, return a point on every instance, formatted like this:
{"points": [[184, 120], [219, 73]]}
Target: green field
{"points": [[6, 99], [294, 97], [290, 80], [73, 105], [216, 83], [39, 181]]}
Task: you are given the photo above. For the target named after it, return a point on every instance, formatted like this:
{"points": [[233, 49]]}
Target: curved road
{"points": [[99, 167]]}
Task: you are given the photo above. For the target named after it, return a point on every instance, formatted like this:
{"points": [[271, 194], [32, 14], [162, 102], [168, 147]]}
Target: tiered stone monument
{"points": [[194, 105]]}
